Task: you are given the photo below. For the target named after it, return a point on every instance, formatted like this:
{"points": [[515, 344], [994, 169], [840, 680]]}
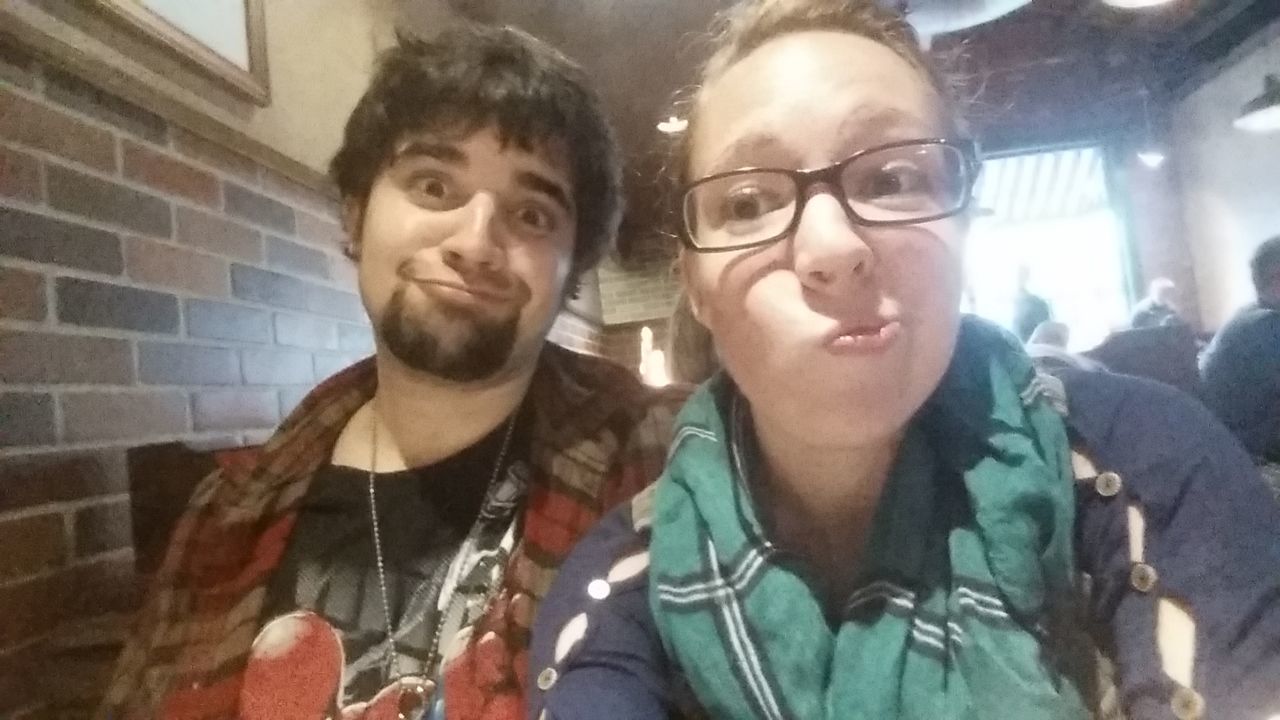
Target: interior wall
{"points": [[1230, 178], [320, 54]]}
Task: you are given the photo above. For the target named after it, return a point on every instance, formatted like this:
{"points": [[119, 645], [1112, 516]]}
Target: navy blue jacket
{"points": [[1241, 373], [1212, 537]]}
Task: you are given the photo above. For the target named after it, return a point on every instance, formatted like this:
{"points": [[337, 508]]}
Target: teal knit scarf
{"points": [[966, 585]]}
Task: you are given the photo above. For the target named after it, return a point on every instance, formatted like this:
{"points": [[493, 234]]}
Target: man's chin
{"points": [[478, 353]]}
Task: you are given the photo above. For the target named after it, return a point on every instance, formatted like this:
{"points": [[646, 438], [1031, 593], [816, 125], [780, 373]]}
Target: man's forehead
{"points": [[551, 154]]}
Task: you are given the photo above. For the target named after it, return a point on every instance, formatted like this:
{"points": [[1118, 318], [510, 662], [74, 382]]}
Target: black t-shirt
{"points": [[330, 568]]}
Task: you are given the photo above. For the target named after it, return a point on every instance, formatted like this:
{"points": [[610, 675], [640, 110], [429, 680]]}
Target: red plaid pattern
{"points": [[598, 437]]}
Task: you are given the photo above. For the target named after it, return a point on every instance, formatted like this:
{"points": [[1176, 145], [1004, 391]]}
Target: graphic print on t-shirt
{"points": [[295, 672]]}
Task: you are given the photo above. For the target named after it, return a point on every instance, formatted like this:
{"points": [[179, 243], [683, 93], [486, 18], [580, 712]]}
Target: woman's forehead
{"points": [[809, 94]]}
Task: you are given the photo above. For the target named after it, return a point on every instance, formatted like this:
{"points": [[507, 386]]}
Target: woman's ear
{"points": [[352, 225], [683, 269]]}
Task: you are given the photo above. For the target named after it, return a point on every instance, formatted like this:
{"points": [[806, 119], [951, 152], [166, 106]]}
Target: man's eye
{"points": [[535, 219], [434, 187], [432, 191]]}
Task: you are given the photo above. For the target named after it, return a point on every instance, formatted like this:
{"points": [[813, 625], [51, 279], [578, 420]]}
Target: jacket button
{"points": [[1143, 577], [1187, 704], [599, 589], [1108, 484], [547, 678]]}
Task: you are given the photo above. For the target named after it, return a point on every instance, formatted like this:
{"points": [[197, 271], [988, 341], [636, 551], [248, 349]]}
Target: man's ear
{"points": [[352, 225]]}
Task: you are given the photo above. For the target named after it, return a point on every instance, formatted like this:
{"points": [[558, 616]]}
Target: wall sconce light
{"points": [[673, 125]]}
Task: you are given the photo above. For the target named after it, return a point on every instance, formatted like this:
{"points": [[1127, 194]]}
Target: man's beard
{"points": [[484, 348]]}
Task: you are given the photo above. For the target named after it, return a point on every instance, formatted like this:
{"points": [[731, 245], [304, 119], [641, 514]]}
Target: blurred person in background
{"points": [[1029, 309], [1047, 348], [1241, 366], [1159, 307]]}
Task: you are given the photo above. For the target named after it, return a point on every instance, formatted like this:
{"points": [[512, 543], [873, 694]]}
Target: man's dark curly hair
{"points": [[472, 76]]}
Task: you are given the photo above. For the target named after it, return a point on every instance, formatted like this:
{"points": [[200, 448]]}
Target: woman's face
{"points": [[837, 333]]}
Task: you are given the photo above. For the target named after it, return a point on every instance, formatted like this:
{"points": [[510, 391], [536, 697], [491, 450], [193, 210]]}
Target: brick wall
{"points": [[644, 287], [153, 286]]}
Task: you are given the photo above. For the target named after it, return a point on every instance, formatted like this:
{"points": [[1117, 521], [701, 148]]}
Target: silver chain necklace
{"points": [[391, 660]]}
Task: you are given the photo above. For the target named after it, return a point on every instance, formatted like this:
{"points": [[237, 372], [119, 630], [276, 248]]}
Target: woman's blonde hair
{"points": [[744, 27]]}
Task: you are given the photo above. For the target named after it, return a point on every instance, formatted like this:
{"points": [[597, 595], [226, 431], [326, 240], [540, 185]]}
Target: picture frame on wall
{"points": [[223, 39]]}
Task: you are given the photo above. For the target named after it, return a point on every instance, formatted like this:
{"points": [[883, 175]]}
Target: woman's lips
{"points": [[864, 339]]}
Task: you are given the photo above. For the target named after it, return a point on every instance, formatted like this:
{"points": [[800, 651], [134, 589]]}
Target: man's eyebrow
{"points": [[426, 148], [545, 185]]}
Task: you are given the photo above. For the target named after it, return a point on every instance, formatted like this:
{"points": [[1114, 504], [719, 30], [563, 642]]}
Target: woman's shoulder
{"points": [[595, 650]]}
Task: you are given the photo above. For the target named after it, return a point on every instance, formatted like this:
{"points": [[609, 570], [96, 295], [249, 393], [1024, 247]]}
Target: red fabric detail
{"points": [[204, 702], [238, 460], [220, 565]]}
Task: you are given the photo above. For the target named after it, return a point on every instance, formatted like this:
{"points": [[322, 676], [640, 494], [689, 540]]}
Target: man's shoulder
{"points": [[1255, 319], [605, 381], [1134, 421]]}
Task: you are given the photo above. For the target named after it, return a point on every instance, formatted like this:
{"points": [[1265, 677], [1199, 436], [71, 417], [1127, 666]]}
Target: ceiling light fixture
{"points": [[1262, 114], [1152, 158], [673, 125]]}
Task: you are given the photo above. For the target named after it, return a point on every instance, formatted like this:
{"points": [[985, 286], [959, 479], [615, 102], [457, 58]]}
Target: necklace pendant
{"points": [[415, 695]]}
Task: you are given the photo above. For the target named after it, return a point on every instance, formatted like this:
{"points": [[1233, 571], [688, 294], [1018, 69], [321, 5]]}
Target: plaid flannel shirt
{"points": [[598, 437]]}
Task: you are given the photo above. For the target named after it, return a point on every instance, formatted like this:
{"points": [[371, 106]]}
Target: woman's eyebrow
{"points": [[883, 120], [750, 145]]}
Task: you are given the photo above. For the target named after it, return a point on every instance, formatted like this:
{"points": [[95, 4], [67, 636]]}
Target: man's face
{"points": [[464, 249]]}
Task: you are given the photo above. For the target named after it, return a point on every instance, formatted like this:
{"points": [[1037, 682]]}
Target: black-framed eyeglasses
{"points": [[902, 183]]}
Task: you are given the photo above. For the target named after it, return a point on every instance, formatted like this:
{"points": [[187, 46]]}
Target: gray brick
{"points": [[95, 304], [305, 332], [294, 258], [270, 288], [174, 364], [355, 338], [103, 528], [335, 303], [219, 235], [124, 415], [22, 295], [258, 208], [212, 154], [35, 358], [32, 480], [40, 239], [276, 367], [329, 365], [26, 419], [291, 397], [50, 129], [79, 95], [221, 321], [234, 409], [108, 202]]}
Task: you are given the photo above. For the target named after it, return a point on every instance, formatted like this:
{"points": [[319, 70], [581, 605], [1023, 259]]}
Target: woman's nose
{"points": [[829, 251]]}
